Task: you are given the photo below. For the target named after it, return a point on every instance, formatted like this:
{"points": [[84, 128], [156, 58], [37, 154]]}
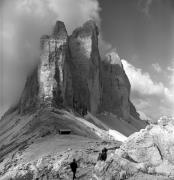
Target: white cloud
{"points": [[157, 67], [142, 103], [170, 68], [153, 98], [171, 76], [142, 82]]}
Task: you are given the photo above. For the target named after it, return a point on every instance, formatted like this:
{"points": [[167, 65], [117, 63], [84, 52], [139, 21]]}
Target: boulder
{"points": [[151, 150]]}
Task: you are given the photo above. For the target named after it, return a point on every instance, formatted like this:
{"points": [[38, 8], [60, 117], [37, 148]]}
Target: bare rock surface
{"points": [[116, 86], [85, 66], [47, 84], [149, 151], [72, 75]]}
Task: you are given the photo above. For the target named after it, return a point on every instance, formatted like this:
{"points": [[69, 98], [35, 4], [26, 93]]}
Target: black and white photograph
{"points": [[86, 89]]}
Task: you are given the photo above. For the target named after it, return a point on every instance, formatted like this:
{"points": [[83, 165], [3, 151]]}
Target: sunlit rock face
{"points": [[51, 70], [116, 86], [69, 71], [85, 67], [47, 85], [151, 151]]}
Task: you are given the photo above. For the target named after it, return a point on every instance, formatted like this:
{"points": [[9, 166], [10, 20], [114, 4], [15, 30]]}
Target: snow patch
{"points": [[117, 136]]}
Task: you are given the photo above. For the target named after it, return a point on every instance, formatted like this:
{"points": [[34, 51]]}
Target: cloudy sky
{"points": [[143, 33], [140, 30]]}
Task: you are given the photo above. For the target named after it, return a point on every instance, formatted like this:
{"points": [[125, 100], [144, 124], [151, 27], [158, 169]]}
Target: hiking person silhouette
{"points": [[73, 166], [103, 155]]}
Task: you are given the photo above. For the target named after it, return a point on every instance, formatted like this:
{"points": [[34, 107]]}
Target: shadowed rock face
{"points": [[71, 74], [116, 86], [59, 30], [85, 67]]}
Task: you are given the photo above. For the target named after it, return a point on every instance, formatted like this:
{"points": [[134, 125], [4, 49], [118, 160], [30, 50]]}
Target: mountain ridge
{"points": [[72, 74]]}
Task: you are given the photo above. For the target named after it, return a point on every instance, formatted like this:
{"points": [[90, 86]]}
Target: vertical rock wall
{"points": [[85, 59], [47, 85], [116, 86], [70, 74], [51, 68]]}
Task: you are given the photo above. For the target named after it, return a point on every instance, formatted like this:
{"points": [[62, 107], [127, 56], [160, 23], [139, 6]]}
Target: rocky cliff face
{"points": [[85, 59], [51, 68], [116, 86], [47, 85], [71, 74]]}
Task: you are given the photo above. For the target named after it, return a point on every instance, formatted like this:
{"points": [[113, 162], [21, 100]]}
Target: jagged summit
{"points": [[88, 28], [85, 59], [59, 30], [71, 75], [90, 23]]}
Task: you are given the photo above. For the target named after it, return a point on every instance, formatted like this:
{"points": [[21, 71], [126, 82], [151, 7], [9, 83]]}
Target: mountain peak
{"points": [[113, 58], [71, 74], [90, 24], [89, 28], [59, 29]]}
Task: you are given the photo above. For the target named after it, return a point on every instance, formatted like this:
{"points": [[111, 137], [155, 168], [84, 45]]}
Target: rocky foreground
{"points": [[148, 152], [146, 155], [49, 158], [31, 146]]}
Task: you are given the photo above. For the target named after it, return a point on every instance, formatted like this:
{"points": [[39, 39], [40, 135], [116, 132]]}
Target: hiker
{"points": [[73, 166], [75, 104], [103, 155]]}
